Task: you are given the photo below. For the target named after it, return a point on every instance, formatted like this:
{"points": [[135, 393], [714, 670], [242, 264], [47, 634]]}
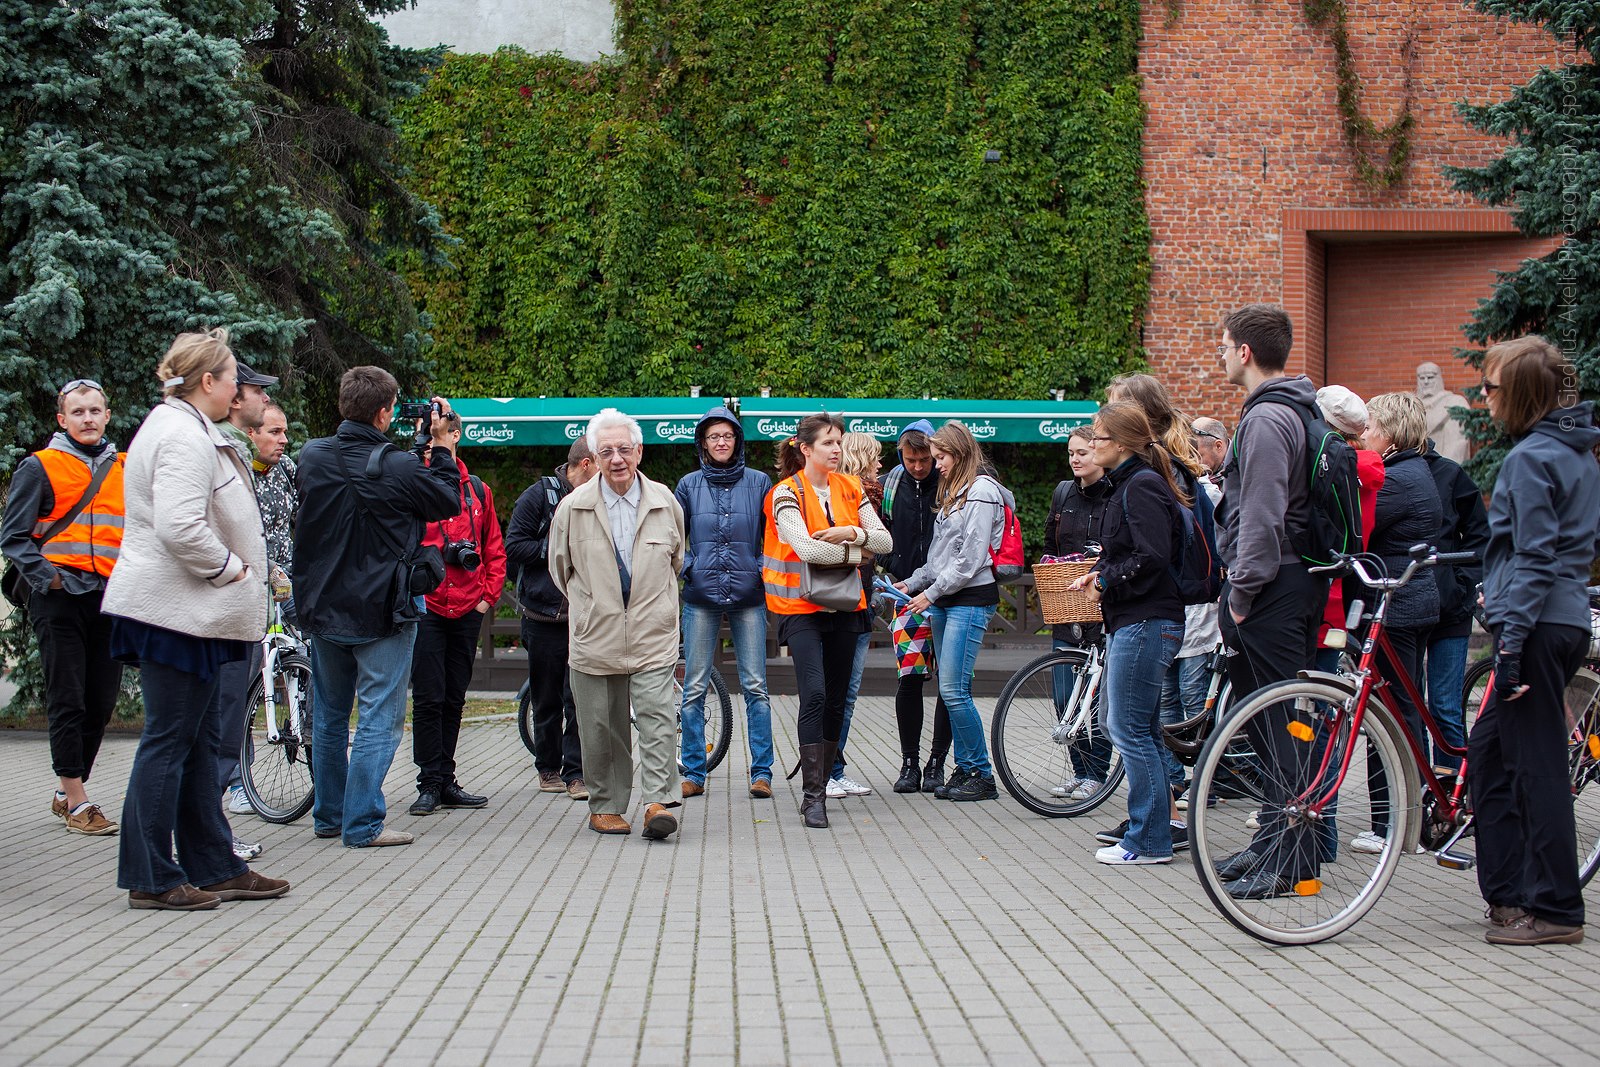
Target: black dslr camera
{"points": [[463, 554]]}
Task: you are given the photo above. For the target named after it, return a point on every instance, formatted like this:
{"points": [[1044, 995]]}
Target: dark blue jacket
{"points": [[1543, 528], [724, 523], [1408, 513]]}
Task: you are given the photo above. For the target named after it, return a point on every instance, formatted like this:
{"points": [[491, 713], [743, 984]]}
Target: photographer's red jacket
{"points": [[461, 589]]}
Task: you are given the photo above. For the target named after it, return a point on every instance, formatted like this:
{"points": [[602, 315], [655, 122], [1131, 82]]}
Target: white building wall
{"points": [[577, 29]]}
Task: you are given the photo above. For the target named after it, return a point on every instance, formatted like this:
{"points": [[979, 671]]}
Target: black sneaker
{"points": [[956, 778], [1113, 837], [973, 787], [427, 802], [1180, 838]]}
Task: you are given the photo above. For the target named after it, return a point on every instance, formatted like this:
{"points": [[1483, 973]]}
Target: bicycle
{"points": [[719, 723], [1316, 726], [275, 760]]}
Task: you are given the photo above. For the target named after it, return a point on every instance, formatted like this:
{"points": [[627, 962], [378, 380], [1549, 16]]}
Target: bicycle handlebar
{"points": [[1421, 556]]}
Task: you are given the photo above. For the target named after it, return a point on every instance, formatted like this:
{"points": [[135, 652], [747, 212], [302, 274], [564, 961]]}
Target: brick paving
{"points": [[914, 932]]}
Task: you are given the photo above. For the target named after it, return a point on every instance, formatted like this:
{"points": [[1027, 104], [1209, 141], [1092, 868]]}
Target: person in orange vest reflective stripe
{"points": [[65, 579], [814, 515]]}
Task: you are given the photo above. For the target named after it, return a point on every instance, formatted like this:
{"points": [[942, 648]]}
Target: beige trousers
{"points": [[603, 702]]}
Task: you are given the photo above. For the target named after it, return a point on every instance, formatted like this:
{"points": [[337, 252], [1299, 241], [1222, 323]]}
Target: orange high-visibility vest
{"points": [[780, 565], [94, 539]]}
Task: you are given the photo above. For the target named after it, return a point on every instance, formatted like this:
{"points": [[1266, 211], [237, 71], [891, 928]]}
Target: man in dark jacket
{"points": [[908, 510], [557, 752], [363, 503], [1465, 528], [1271, 603], [723, 523]]}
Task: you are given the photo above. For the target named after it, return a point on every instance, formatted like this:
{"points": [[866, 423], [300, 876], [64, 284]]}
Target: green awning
{"points": [[671, 420]]}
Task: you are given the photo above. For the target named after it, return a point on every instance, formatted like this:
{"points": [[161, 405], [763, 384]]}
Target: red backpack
{"points": [[1007, 561]]}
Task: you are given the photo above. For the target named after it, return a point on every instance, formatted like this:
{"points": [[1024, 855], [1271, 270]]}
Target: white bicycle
{"points": [[275, 762]]}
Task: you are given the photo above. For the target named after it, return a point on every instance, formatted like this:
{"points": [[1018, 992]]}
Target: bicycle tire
{"points": [[1323, 903], [1028, 757], [1583, 705], [719, 722], [277, 775], [525, 715]]}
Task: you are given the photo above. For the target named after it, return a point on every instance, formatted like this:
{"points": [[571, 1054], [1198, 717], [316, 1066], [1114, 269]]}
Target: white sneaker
{"points": [[236, 803], [246, 850], [836, 789], [1254, 821], [1066, 788], [1117, 856], [853, 787], [1368, 842], [1087, 787]]}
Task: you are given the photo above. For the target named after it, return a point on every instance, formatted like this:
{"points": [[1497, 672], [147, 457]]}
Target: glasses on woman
{"points": [[1101, 440], [720, 438], [1489, 388]]}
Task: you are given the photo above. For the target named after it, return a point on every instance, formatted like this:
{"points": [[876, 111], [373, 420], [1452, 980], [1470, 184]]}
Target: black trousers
{"points": [[1274, 643], [908, 717], [441, 669], [823, 660], [1521, 794], [81, 679], [1410, 648], [556, 748]]}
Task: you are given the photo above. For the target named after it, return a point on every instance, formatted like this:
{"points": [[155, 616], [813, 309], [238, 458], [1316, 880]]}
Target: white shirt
{"points": [[623, 511]]}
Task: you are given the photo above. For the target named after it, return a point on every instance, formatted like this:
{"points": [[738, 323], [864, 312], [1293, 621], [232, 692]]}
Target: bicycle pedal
{"points": [[1455, 861]]}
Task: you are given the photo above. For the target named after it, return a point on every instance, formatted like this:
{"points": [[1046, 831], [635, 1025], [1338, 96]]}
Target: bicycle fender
{"points": [[1337, 681]]}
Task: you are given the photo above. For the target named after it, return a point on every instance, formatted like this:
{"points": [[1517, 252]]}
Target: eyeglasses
{"points": [[1223, 350], [721, 438], [607, 454], [1098, 439], [80, 383], [1489, 388]]}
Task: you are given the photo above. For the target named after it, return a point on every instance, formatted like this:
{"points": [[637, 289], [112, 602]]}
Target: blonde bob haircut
{"points": [[1402, 417], [191, 357], [860, 449]]}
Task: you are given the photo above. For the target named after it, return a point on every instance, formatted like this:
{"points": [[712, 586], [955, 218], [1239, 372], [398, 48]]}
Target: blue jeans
{"points": [[349, 788], [749, 629], [1092, 758], [1183, 696], [1447, 671], [1137, 659], [856, 668], [957, 637]]}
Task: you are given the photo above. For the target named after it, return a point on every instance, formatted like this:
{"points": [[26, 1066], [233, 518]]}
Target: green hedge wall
{"points": [[794, 195]]}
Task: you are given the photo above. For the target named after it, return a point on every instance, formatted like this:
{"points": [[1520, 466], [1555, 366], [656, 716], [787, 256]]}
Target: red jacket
{"points": [[461, 589], [1369, 472]]}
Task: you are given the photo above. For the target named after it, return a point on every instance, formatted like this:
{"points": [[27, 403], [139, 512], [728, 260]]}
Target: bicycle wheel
{"points": [[1302, 893], [718, 712], [1583, 710], [525, 715], [1039, 743], [277, 774]]}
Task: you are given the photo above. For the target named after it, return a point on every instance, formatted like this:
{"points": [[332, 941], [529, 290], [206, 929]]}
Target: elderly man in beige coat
{"points": [[616, 549]]}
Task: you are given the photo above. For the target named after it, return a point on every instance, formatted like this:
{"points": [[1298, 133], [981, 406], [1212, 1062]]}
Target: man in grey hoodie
{"points": [[1271, 603]]}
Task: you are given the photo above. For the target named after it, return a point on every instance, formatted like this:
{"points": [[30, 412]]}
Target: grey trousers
{"points": [[237, 678], [603, 702]]}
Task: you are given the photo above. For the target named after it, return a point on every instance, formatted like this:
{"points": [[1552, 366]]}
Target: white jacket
{"points": [[192, 525]]}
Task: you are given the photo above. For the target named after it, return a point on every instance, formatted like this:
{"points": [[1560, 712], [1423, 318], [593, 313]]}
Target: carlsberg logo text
{"points": [[1056, 431], [487, 432], [983, 430], [675, 431], [574, 430], [875, 427], [776, 427]]}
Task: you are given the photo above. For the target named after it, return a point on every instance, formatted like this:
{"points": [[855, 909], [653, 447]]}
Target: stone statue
{"points": [[1448, 440]]}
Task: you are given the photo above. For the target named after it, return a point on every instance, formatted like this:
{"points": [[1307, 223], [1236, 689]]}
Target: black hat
{"points": [[250, 377]]}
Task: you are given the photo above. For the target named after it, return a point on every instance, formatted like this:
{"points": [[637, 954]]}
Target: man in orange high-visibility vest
{"points": [[62, 530]]}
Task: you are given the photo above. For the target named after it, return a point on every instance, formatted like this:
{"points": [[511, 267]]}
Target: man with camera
{"points": [[360, 573], [447, 636]]}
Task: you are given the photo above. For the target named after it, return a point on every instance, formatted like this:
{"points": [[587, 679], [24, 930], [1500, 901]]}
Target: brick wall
{"points": [[1251, 187]]}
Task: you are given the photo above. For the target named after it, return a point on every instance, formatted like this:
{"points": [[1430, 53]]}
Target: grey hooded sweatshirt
{"points": [[958, 558]]}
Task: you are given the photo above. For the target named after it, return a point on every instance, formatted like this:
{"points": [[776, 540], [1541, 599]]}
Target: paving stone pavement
{"points": [[914, 932]]}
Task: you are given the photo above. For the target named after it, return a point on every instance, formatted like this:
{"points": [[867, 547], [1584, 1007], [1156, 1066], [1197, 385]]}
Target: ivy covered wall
{"points": [[793, 194]]}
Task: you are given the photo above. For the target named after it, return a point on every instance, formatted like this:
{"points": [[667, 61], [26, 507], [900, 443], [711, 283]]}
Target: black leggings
{"points": [[823, 660], [908, 716]]}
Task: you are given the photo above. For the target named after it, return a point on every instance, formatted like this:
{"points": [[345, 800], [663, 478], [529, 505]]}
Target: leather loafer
{"points": [[183, 898], [609, 824], [1232, 868], [388, 839], [248, 886], [761, 789], [427, 803], [453, 796], [659, 823], [693, 789], [1502, 914]]}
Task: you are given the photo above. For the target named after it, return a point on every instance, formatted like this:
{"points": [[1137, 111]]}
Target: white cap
{"points": [[1344, 411]]}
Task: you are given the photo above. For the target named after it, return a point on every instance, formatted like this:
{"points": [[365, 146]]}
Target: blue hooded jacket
{"points": [[724, 523], [1542, 528]]}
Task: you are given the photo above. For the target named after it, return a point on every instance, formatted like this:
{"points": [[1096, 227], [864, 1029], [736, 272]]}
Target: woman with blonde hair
{"points": [[815, 517], [956, 589], [188, 594], [862, 459]]}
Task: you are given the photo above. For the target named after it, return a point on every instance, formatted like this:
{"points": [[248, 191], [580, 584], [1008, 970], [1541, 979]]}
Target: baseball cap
{"points": [[250, 377]]}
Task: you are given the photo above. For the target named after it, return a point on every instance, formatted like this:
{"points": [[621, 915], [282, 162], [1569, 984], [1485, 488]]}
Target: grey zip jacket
{"points": [[1544, 528], [958, 557]]}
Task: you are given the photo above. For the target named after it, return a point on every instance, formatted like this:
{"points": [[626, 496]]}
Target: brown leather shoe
{"points": [[184, 898], [690, 789], [761, 789], [659, 823], [58, 807], [1528, 930], [550, 782], [577, 790], [248, 886], [609, 824], [1503, 914], [91, 821]]}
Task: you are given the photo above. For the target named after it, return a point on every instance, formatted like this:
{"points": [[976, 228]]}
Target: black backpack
{"points": [[1333, 520]]}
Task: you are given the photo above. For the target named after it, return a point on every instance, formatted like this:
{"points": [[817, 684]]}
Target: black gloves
{"points": [[1507, 675]]}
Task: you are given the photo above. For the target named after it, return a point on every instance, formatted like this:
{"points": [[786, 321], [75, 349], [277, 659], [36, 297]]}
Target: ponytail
{"points": [[1127, 425]]}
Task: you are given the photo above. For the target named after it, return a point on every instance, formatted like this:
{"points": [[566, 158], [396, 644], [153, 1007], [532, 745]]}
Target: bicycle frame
{"points": [[279, 640], [1085, 687]]}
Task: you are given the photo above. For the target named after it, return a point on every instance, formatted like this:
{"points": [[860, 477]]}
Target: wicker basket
{"points": [[1059, 605]]}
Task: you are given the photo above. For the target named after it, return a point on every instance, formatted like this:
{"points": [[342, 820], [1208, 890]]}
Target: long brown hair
{"points": [[956, 440], [1128, 427], [790, 458], [1171, 427], [1532, 375]]}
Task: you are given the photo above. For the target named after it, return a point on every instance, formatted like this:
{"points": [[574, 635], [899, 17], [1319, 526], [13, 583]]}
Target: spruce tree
{"points": [[1550, 175]]}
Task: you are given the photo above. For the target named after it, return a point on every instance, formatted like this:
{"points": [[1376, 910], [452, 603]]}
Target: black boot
{"points": [[933, 773], [816, 762], [910, 781]]}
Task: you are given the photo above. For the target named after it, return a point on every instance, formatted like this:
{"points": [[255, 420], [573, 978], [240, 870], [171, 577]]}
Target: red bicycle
{"points": [[1292, 881]]}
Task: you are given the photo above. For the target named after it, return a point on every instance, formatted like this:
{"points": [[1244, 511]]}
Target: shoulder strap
{"points": [[552, 490], [373, 464], [50, 532]]}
